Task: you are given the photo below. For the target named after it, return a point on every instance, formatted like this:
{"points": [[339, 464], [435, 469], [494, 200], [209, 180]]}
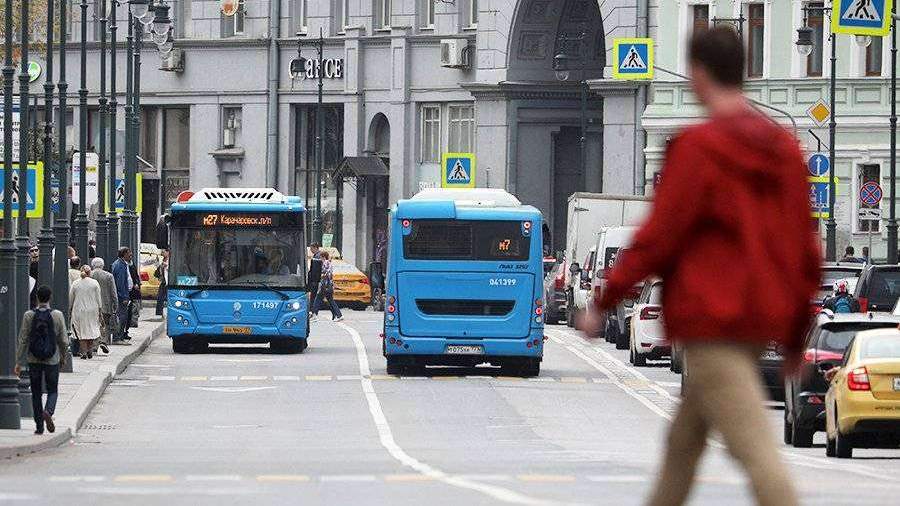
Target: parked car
{"points": [[150, 258], [831, 274], [878, 288], [825, 344], [351, 286], [555, 293], [862, 406], [610, 242], [580, 292], [647, 336], [771, 367]]}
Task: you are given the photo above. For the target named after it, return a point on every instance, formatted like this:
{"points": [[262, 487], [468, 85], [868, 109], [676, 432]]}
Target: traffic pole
{"points": [[22, 246], [61, 222]]}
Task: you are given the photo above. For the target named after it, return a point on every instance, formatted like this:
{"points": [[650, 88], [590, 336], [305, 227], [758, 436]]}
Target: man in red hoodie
{"points": [[730, 235]]}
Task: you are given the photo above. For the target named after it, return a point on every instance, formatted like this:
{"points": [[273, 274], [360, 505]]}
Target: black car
{"points": [[826, 341], [878, 288], [555, 294]]}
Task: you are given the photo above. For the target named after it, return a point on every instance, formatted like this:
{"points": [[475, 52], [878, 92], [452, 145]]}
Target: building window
{"points": [[700, 18], [301, 16], [462, 129], [231, 126], [873, 57], [176, 138], [815, 20], [473, 12], [234, 24], [149, 147], [428, 10], [383, 14], [345, 13], [431, 133], [755, 41], [866, 174]]}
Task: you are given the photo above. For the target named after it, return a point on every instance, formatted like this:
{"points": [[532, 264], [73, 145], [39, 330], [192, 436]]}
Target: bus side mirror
{"points": [[162, 232]]}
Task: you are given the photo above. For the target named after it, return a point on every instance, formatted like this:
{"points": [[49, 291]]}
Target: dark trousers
{"points": [[43, 376], [124, 316], [332, 305], [313, 293]]}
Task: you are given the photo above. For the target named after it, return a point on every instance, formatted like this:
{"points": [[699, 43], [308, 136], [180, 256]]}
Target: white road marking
{"points": [[386, 438], [233, 390], [618, 478], [75, 479], [669, 384], [161, 378], [286, 378], [223, 378]]}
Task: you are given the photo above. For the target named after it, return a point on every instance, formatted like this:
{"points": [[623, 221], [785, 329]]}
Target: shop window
{"points": [[815, 20], [341, 14], [866, 174], [873, 57], [300, 15], [755, 39], [700, 18], [382, 14], [473, 13], [462, 129], [177, 138], [428, 13], [431, 133], [149, 146]]}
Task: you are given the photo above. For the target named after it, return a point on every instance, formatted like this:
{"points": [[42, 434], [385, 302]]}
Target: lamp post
{"points": [[562, 64], [45, 240], [892, 219], [81, 219], [9, 383], [113, 109], [102, 222], [22, 251], [61, 222], [319, 44]]}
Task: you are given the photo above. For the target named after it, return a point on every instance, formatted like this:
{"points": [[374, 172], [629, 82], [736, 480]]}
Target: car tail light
{"points": [[858, 379], [813, 355], [145, 276], [650, 313], [538, 302], [814, 399], [863, 304], [364, 281], [560, 280]]}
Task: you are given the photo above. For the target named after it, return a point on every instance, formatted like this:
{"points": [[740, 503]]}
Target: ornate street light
{"points": [[139, 8], [161, 23]]}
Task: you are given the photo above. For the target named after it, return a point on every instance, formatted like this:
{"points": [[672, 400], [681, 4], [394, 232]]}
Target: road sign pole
{"points": [[831, 226], [892, 219]]}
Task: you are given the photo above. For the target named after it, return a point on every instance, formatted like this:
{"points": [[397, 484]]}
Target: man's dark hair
{"points": [[315, 245], [74, 262], [43, 294], [720, 51], [123, 251], [849, 250]]}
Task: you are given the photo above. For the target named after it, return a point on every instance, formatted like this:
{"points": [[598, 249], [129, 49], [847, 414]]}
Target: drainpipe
{"points": [[272, 73], [640, 103]]}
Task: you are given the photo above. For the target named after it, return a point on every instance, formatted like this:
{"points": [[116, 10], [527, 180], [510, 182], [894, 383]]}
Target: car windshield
{"points": [[883, 287], [880, 347], [837, 337], [238, 257]]}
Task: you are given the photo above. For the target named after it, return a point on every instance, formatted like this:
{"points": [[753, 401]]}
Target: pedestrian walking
{"points": [[74, 270], [109, 302], [162, 273], [850, 256], [41, 345], [134, 310], [754, 214], [85, 305], [314, 276], [124, 283], [326, 290], [92, 249]]}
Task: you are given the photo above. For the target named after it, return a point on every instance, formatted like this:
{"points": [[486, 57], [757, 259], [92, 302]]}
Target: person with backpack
{"points": [[42, 341], [842, 301], [326, 291]]}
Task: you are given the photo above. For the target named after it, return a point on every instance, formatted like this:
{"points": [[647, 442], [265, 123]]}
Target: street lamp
{"points": [[22, 253], [102, 223], [113, 219], [45, 240], [562, 65], [161, 24], [320, 157], [892, 220], [139, 8], [81, 219]]}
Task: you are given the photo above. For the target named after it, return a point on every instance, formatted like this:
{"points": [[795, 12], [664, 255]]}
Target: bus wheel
{"points": [[182, 345], [526, 368], [289, 346], [394, 367]]}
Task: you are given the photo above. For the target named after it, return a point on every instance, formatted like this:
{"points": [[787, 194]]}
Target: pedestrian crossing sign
{"points": [[633, 58], [34, 181], [458, 170], [861, 17], [120, 194]]}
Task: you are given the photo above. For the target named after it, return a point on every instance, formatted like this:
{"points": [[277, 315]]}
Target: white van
{"points": [[610, 243]]}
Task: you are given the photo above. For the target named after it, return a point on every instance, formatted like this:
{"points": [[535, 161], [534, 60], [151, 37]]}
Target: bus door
{"points": [[465, 279]]}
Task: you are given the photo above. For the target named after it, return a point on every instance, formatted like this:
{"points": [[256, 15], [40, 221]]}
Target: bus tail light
{"points": [[539, 310], [392, 309], [858, 379], [184, 196], [145, 276], [863, 304], [406, 223]]}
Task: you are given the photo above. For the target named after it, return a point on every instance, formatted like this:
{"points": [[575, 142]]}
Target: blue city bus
{"points": [[464, 282], [237, 270]]}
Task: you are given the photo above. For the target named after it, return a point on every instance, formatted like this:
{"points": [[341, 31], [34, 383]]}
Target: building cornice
{"points": [[548, 90]]}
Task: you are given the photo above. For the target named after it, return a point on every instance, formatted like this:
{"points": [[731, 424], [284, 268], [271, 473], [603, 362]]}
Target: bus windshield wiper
{"points": [[281, 294]]}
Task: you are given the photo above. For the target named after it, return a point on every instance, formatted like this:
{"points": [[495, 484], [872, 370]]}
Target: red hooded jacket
{"points": [[730, 235]]}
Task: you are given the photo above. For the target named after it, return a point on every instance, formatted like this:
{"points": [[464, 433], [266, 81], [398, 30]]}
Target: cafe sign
{"points": [[329, 68]]}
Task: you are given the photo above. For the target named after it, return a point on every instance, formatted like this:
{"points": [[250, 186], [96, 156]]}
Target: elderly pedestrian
{"points": [[124, 284], [74, 270], [109, 301], [42, 344], [85, 305], [756, 216]]}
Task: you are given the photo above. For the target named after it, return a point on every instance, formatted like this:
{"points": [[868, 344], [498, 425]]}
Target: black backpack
{"points": [[42, 342]]}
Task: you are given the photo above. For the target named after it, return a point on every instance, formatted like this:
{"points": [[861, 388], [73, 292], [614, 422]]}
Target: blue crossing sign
{"points": [[34, 187], [818, 165], [861, 17], [633, 58], [458, 170], [120, 194]]}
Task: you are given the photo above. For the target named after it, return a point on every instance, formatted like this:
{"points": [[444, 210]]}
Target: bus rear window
{"points": [[466, 240]]}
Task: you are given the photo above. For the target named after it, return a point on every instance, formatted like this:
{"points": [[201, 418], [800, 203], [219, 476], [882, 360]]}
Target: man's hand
{"points": [[590, 321], [17, 370]]}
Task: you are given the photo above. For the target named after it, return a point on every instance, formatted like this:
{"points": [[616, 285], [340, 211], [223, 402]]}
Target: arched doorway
{"points": [[375, 190], [546, 165]]}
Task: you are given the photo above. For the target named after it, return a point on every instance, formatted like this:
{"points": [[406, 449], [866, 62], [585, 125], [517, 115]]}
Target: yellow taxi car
{"points": [[150, 259], [862, 406], [351, 286]]}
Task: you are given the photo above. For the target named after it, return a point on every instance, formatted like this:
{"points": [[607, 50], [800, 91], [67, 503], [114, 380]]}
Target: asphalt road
{"points": [[243, 426]]}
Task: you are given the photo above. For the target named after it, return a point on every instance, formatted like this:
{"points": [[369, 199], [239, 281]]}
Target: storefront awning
{"points": [[360, 167]]}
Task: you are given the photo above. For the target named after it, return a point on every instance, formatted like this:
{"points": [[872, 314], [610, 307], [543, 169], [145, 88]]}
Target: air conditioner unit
{"points": [[455, 53], [173, 62]]}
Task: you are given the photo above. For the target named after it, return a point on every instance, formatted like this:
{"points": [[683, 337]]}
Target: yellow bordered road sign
{"points": [[632, 58]]}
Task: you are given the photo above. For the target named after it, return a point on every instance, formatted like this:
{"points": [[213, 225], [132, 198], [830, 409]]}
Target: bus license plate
{"points": [[897, 384], [236, 330], [458, 349]]}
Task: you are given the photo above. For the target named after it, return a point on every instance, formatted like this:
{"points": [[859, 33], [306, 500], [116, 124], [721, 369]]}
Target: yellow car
{"points": [[351, 286], [862, 406], [150, 259]]}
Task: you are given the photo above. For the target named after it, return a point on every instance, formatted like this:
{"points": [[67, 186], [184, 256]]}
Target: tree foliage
{"points": [[37, 26]]}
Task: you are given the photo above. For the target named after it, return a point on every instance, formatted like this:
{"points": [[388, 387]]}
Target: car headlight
{"points": [[295, 306]]}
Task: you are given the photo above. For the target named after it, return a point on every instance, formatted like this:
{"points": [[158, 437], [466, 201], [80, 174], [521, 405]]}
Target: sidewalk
{"points": [[80, 390]]}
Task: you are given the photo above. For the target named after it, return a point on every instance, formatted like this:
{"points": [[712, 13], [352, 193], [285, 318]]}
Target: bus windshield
{"points": [[238, 257], [466, 240]]}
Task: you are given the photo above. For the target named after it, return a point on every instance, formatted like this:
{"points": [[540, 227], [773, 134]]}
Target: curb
{"points": [[87, 396]]}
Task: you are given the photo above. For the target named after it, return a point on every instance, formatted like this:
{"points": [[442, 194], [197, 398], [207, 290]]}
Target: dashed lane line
{"points": [[282, 478], [386, 437], [144, 478]]}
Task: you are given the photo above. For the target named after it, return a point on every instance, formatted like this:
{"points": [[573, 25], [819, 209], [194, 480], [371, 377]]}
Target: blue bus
{"points": [[237, 270], [464, 282]]}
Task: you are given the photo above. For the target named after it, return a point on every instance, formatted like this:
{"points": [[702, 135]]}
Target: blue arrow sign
{"points": [[861, 17], [818, 165], [818, 199]]}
